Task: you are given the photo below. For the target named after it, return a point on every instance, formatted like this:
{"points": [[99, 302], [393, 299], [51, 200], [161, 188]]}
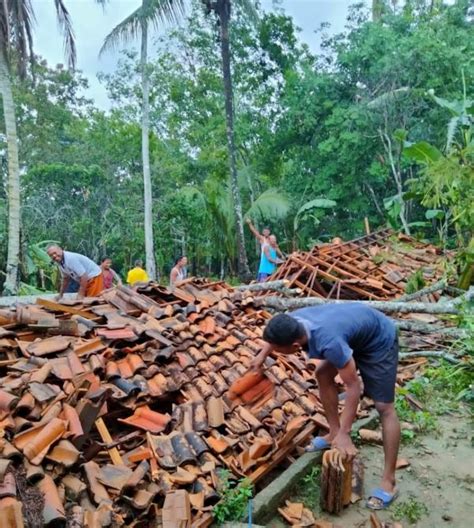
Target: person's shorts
{"points": [[262, 277], [380, 376]]}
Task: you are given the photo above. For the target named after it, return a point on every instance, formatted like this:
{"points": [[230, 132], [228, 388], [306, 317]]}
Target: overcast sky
{"points": [[92, 24]]}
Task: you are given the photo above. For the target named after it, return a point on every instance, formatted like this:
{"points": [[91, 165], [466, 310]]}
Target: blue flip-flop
{"points": [[318, 443], [384, 496]]}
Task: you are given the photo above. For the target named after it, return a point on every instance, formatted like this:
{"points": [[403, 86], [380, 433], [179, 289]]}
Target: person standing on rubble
{"points": [[77, 267], [268, 259], [263, 237], [346, 338]]}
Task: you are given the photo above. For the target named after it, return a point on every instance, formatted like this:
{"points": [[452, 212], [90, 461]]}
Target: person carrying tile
{"points": [[79, 268], [346, 338]]}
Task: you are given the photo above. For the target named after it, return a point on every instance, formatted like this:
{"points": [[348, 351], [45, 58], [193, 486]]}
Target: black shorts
{"points": [[379, 375]]}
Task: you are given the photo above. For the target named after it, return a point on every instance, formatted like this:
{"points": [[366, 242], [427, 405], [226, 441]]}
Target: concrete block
{"points": [[267, 501]]}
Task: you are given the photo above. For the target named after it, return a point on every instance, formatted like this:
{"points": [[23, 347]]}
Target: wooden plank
{"points": [[57, 307], [282, 453], [105, 435]]}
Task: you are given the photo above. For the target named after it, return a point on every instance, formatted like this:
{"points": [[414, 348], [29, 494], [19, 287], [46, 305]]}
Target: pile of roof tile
{"points": [[124, 409], [373, 267]]}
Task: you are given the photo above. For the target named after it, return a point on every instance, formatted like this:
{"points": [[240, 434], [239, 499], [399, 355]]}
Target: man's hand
{"points": [[343, 443], [248, 221], [256, 363]]}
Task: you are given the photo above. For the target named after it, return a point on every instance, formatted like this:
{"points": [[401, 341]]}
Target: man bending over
{"points": [[346, 338]]}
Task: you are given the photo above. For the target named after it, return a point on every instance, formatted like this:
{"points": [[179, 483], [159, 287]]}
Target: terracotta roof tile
{"points": [[8, 486], [49, 345], [158, 385], [7, 401], [146, 419], [43, 392], [53, 510], [64, 453], [35, 442], [11, 513]]}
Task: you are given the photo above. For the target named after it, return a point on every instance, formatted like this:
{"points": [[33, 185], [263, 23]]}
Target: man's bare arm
{"points": [[342, 440], [257, 362], [63, 287], [255, 231], [82, 286], [267, 254]]}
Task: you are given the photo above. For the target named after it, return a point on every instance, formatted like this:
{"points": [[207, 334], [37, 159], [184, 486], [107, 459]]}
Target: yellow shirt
{"points": [[137, 275]]}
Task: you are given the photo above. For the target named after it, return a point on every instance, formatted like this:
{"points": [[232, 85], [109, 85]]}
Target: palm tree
{"points": [[222, 10], [152, 12], [16, 39]]}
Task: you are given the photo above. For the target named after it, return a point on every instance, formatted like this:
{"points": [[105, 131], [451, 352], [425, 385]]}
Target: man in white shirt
{"points": [[79, 268]]}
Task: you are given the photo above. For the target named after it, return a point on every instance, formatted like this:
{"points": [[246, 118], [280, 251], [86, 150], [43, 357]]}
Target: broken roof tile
{"points": [[8, 486], [146, 419], [35, 442], [53, 509], [11, 515], [64, 453], [7, 401], [176, 510], [49, 345]]}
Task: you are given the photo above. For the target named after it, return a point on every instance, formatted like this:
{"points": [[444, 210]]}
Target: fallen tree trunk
{"points": [[437, 286], [431, 354], [279, 285], [280, 304], [422, 328], [262, 286]]}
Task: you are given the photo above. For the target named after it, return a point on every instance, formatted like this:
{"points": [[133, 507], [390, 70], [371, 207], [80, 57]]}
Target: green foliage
{"points": [[415, 282], [440, 390], [234, 499], [308, 490], [270, 205], [411, 510], [306, 127]]}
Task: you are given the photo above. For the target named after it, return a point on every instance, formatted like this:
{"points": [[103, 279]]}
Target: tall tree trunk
{"points": [[13, 188], [377, 9], [147, 194], [223, 11]]}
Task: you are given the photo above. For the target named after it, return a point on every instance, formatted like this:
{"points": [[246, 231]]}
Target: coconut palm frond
{"points": [[123, 33], [155, 12], [270, 205], [17, 31], [65, 25]]}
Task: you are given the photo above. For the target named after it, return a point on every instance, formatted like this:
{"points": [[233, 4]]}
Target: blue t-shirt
{"points": [[265, 265], [337, 332]]}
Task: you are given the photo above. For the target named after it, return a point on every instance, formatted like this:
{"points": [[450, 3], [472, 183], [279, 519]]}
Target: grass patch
{"points": [[235, 497], [411, 510], [308, 490], [441, 390]]}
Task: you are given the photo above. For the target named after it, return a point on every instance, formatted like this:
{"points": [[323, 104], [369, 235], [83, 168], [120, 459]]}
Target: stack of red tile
{"points": [[109, 407]]}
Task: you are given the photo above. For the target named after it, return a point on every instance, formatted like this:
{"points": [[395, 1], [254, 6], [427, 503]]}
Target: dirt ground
{"points": [[441, 476]]}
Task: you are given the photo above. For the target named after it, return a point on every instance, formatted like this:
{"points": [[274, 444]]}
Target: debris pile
{"points": [[124, 409], [373, 267]]}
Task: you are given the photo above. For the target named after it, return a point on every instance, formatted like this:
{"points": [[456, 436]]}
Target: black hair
{"points": [[283, 330], [104, 259], [138, 263], [178, 259]]}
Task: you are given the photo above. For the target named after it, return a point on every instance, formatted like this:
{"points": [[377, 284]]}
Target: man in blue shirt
{"points": [[347, 338]]}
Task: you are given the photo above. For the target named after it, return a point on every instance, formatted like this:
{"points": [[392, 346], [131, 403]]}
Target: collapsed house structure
{"points": [[374, 267], [124, 409]]}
